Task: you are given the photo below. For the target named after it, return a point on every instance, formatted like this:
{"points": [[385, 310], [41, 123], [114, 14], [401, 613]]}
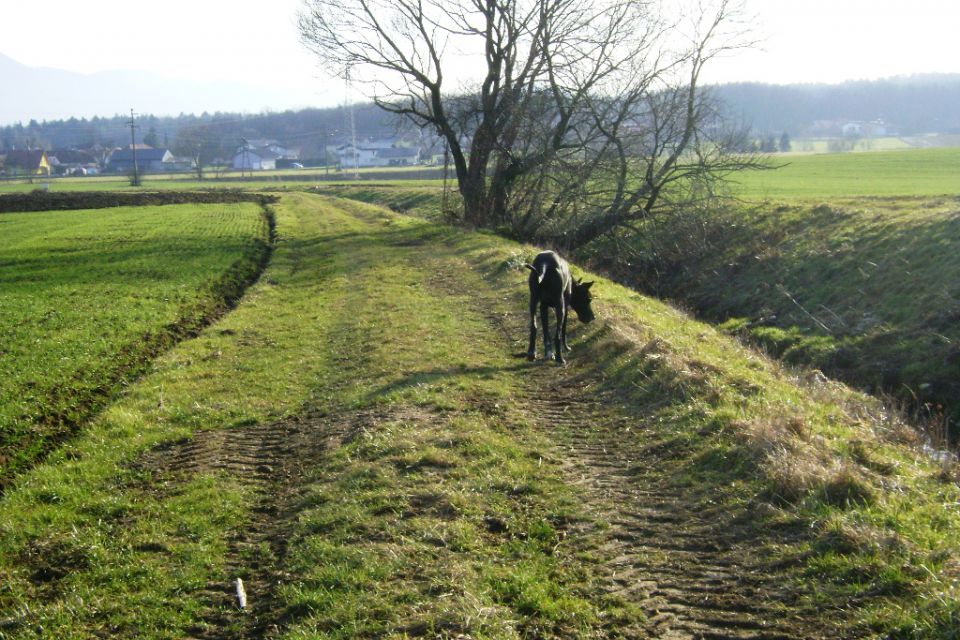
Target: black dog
{"points": [[552, 286]]}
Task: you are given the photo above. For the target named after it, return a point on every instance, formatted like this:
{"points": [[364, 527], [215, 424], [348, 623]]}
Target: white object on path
{"points": [[241, 594]]}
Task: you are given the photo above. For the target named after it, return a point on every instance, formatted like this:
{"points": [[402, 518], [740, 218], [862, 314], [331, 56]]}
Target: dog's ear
{"points": [[586, 285]]}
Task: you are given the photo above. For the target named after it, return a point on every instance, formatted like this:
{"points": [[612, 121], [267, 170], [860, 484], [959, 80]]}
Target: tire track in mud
{"points": [[271, 461], [690, 566]]}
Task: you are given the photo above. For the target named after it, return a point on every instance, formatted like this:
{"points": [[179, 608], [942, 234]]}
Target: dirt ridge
{"points": [[42, 200]]}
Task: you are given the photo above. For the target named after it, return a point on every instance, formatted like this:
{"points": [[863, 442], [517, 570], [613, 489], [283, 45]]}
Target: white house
{"points": [[875, 129], [361, 156], [275, 147], [255, 159], [381, 153], [399, 156]]}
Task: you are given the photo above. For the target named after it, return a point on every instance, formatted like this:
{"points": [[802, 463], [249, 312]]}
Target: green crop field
{"points": [[260, 181], [914, 172], [88, 297]]}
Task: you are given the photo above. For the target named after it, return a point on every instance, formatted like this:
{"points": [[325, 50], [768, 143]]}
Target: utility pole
{"points": [[133, 148], [353, 127], [446, 167], [326, 157]]}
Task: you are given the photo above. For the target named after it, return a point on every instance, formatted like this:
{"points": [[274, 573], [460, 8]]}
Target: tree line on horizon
{"points": [[216, 135], [911, 105]]}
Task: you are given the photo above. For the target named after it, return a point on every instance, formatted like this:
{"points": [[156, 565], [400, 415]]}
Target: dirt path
{"points": [[693, 566]]}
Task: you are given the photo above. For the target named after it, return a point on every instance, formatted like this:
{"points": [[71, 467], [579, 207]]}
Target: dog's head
{"points": [[580, 300]]}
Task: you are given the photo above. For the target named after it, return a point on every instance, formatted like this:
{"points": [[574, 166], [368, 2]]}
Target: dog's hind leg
{"points": [[532, 348], [545, 329]]}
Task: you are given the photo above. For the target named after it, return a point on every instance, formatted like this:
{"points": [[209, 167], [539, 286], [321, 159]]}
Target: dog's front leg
{"points": [[558, 337], [563, 331]]}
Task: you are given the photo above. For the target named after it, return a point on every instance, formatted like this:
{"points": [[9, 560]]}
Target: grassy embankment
{"points": [[865, 290], [850, 263], [423, 496], [88, 298]]}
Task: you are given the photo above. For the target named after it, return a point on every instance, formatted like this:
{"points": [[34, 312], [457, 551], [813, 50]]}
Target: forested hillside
{"points": [[911, 105]]}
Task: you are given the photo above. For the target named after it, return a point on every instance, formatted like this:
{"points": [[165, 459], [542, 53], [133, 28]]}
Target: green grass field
{"points": [[914, 172], [808, 176], [259, 182], [87, 298]]}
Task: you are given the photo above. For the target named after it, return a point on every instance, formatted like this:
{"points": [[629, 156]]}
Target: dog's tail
{"points": [[540, 274]]}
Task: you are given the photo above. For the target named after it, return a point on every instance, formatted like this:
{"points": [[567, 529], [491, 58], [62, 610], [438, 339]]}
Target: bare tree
{"points": [[583, 114], [201, 143]]}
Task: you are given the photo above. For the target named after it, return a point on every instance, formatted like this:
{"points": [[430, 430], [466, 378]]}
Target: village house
{"points": [[264, 155], [377, 153], [255, 159], [73, 162], [274, 147], [400, 156], [148, 160], [26, 163]]}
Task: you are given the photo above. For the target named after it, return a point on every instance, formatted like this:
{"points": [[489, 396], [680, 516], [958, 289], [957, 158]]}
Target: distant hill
{"points": [[33, 93], [909, 105]]}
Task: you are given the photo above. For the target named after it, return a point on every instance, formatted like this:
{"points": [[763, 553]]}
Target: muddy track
{"points": [[269, 461]]}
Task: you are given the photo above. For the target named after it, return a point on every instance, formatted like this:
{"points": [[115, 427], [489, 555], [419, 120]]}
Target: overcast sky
{"points": [[255, 42]]}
